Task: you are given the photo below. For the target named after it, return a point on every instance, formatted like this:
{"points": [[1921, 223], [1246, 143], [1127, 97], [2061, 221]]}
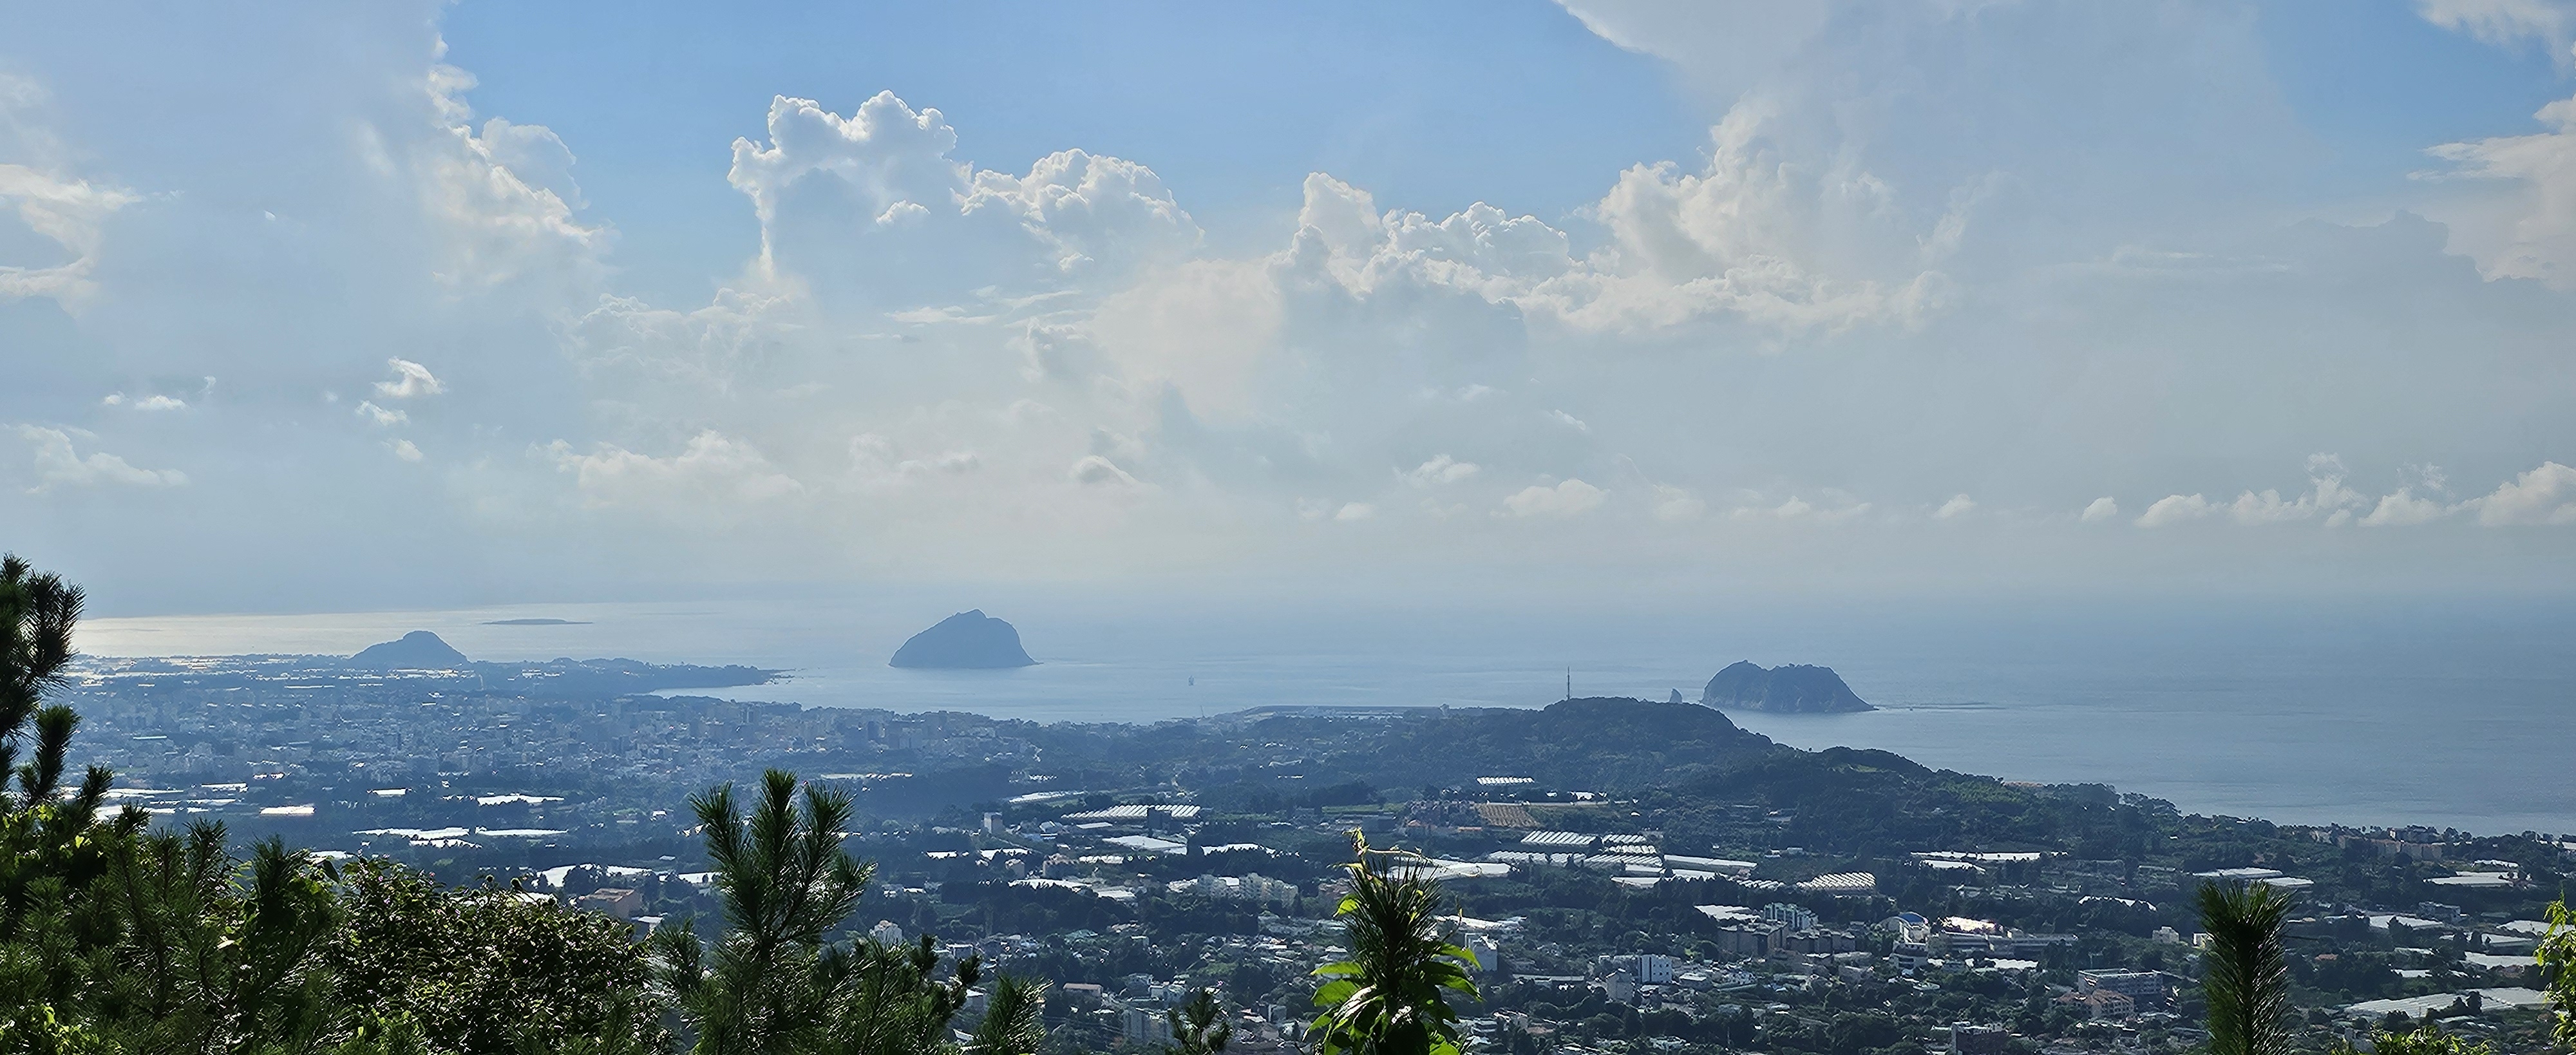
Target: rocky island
{"points": [[969, 640], [418, 650], [1789, 689]]}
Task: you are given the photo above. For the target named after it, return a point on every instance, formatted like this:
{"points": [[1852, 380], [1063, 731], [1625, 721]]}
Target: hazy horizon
{"points": [[313, 308]]}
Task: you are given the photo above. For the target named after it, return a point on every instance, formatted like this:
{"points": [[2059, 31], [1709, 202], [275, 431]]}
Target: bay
{"points": [[2451, 713]]}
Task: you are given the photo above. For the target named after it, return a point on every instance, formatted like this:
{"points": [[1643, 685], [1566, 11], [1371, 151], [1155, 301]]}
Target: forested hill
{"points": [[1598, 744], [1694, 771]]}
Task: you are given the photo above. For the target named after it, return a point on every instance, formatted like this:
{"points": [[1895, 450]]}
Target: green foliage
{"points": [[2245, 972], [1386, 999], [1199, 1026], [2557, 955], [775, 982], [2425, 1040], [115, 937], [487, 970]]}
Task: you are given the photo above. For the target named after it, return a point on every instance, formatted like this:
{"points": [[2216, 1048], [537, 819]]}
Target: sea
{"points": [[2453, 713]]}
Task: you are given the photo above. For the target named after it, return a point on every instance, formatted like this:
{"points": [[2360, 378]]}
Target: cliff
{"points": [[965, 641], [1792, 689]]}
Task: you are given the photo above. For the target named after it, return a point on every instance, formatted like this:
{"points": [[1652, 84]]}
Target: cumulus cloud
{"points": [[2100, 509], [380, 416], [148, 404], [411, 380], [1677, 504], [2175, 509], [406, 450], [1570, 497], [1835, 509], [2545, 495], [1095, 471], [870, 209], [875, 460], [1440, 469], [58, 462], [2527, 227], [2403, 508], [501, 200], [2327, 497], [1958, 506], [711, 465]]}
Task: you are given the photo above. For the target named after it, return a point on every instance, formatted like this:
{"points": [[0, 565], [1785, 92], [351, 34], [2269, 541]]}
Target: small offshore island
{"points": [[1785, 689], [969, 640]]}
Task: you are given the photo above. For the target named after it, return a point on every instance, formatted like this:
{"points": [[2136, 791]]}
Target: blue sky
{"points": [[1433, 104], [424, 303]]}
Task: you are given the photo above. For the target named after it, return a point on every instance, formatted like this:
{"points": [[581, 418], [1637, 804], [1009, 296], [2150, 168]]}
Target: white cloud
{"points": [[500, 202], [406, 450], [70, 212], [875, 460], [2546, 495], [2527, 227], [1744, 237], [870, 209], [2326, 496], [380, 416], [2100, 509], [410, 380], [1677, 504], [148, 404], [57, 462], [1799, 510], [2175, 509], [1096, 471], [2402, 508], [1441, 469], [1957, 506], [2549, 23], [1571, 497], [1569, 421], [712, 466], [1351, 511]]}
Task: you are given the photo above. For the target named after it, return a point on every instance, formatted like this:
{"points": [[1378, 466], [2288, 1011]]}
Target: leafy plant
{"points": [[1198, 1025], [2246, 970], [1387, 999]]}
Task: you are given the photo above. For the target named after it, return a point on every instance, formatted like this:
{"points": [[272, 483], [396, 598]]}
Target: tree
{"points": [[2557, 955], [785, 883], [2246, 970], [117, 937], [485, 970], [1199, 1026], [2427, 1039], [775, 982], [1014, 1019], [1386, 999]]}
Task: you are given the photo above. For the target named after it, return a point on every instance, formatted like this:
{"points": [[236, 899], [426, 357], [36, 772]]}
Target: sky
{"points": [[327, 307]]}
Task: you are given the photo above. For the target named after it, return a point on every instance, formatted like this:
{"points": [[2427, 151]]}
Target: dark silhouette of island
{"points": [[1791, 689], [421, 658], [968, 640], [536, 622], [418, 650]]}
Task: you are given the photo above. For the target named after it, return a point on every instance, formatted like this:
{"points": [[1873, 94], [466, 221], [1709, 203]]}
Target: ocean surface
{"points": [[2453, 714]]}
